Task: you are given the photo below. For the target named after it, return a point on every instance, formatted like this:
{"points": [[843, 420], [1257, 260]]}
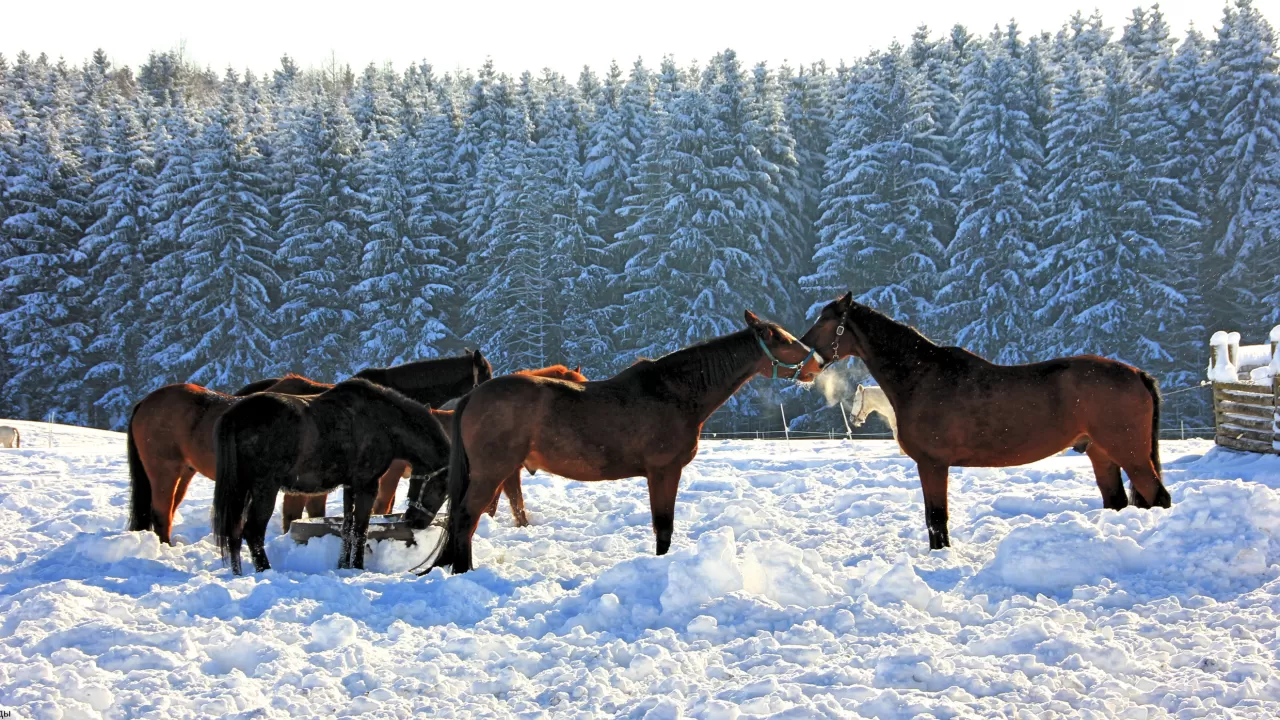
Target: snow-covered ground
{"points": [[799, 585]]}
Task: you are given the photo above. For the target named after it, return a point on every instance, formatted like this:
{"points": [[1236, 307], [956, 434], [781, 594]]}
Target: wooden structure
{"points": [[1246, 392], [381, 527]]}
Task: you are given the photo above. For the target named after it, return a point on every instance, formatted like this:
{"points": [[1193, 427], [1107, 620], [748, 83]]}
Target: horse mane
{"points": [[415, 365], [884, 322], [550, 369], [709, 364], [415, 411]]}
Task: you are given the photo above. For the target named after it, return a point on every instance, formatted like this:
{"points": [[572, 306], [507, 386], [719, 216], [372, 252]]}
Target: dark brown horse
{"points": [[345, 437], [642, 422], [510, 487], [955, 408], [170, 435]]}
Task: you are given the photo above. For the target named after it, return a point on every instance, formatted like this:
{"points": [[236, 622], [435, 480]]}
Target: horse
{"points": [[510, 487], [345, 437], [170, 434], [644, 421], [868, 399], [10, 437], [956, 409]]}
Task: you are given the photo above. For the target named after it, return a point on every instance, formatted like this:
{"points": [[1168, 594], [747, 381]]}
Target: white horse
{"points": [[10, 437], [868, 399]]}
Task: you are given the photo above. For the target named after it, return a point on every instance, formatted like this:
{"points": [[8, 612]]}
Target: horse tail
{"points": [[230, 491], [1153, 387], [140, 514], [452, 549]]}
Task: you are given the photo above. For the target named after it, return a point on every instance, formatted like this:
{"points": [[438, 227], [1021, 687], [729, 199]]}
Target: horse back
{"points": [[270, 428], [973, 412], [587, 431]]}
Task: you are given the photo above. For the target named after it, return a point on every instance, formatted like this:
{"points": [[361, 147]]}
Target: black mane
{"points": [[430, 382]]}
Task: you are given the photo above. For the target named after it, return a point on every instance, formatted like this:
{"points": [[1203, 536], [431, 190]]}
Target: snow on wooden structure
{"points": [[1246, 392]]}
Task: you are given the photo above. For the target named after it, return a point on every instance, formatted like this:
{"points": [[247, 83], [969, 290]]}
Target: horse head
{"points": [[783, 350], [832, 335], [481, 370]]}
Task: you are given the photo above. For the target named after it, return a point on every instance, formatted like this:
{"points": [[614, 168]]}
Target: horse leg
{"points": [[387, 485], [933, 481], [164, 490], [362, 507], [315, 504], [485, 486], [1148, 490], [515, 497], [261, 504], [179, 492], [662, 503], [291, 509], [348, 529], [1107, 473]]}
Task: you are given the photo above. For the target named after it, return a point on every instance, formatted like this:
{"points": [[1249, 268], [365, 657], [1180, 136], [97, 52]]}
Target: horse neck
{"points": [[892, 351], [414, 380], [708, 374], [415, 436]]}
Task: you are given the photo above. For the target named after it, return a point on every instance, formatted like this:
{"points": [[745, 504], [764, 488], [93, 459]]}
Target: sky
{"points": [[559, 34]]}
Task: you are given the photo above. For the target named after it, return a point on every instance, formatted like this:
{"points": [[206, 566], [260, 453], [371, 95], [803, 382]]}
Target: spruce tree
{"points": [[986, 301], [320, 241], [1248, 124], [114, 247], [884, 207], [222, 310]]}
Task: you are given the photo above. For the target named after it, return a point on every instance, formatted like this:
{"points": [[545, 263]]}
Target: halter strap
{"points": [[776, 363], [416, 503]]}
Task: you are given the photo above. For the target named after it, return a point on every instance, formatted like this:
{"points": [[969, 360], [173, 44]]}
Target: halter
{"points": [[795, 367], [835, 342], [416, 503]]}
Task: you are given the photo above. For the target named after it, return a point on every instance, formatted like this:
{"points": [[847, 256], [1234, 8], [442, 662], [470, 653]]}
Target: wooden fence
{"points": [[1246, 392]]}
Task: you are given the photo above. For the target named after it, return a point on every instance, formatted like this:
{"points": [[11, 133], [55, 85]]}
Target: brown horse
{"points": [[510, 487], [955, 408], [170, 436], [642, 422]]}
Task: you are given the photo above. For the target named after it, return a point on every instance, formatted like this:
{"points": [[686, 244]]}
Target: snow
{"points": [[1221, 368], [799, 585]]}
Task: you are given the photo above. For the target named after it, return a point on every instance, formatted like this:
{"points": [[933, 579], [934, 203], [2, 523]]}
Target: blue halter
{"points": [[790, 366]]}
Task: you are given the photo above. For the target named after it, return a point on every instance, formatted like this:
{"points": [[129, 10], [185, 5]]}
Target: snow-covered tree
{"points": [[1111, 263], [1248, 124], [884, 204], [223, 308], [320, 241], [113, 246], [986, 300], [42, 324]]}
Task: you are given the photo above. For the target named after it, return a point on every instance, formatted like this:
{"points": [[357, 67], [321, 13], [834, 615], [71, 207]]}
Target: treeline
{"points": [[1022, 195]]}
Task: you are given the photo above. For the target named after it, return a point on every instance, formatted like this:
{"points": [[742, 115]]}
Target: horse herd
{"points": [[952, 407]]}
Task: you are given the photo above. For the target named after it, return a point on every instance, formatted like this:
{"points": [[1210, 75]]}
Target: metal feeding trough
{"points": [[381, 527]]}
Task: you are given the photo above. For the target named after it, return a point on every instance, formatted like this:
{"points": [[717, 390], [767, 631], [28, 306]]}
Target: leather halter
{"points": [[794, 367], [416, 503]]}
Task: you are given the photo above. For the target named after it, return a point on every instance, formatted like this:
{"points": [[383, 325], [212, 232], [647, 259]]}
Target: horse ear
{"points": [[845, 300], [578, 369], [752, 320], [476, 357]]}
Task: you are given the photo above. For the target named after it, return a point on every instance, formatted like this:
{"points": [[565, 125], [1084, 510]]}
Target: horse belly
{"points": [[585, 464], [1012, 446]]}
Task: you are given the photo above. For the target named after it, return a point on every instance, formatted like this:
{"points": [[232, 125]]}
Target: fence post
{"points": [[1275, 414]]}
